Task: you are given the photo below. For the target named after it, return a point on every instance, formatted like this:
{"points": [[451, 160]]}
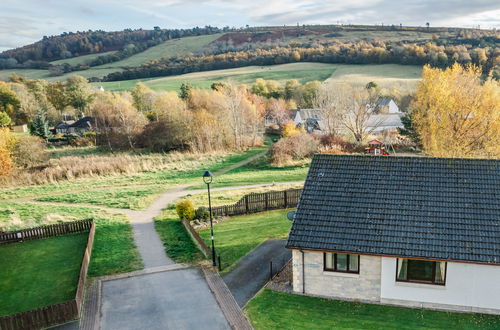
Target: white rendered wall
{"points": [[470, 285]]}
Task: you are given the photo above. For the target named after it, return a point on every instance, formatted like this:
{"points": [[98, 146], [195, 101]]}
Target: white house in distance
{"points": [[385, 116], [410, 231]]}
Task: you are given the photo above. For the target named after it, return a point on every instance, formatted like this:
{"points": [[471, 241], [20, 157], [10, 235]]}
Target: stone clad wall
{"points": [[363, 286]]}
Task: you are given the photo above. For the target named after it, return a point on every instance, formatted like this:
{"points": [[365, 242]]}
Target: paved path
{"points": [[178, 299], [252, 271]]}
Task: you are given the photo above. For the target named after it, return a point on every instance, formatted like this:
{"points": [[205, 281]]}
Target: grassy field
{"points": [[402, 77], [135, 198], [304, 72], [168, 48], [175, 168], [236, 236], [258, 171], [114, 249], [386, 75], [84, 59], [40, 272], [278, 310]]}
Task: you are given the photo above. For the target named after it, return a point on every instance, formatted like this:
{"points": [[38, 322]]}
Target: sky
{"points": [[26, 21]]}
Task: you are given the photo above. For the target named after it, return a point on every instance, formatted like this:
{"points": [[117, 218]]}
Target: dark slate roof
{"points": [[429, 208], [85, 122]]}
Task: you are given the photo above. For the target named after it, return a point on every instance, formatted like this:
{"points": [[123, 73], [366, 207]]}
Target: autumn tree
{"points": [[358, 120], [334, 102], [4, 119], [143, 98], [9, 102], [456, 114], [79, 93]]}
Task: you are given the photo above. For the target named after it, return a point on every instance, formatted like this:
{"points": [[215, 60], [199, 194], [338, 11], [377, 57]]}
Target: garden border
{"points": [[58, 313]]}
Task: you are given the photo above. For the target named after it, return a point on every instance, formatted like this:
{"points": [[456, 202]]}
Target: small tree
{"points": [[185, 91], [29, 151], [202, 213], [40, 126], [4, 119], [185, 209]]}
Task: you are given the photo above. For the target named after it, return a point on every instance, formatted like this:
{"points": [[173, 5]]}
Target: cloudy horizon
{"points": [[22, 23]]}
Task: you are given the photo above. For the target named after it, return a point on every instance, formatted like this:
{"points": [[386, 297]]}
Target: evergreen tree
{"points": [[4, 119], [40, 125], [185, 91]]}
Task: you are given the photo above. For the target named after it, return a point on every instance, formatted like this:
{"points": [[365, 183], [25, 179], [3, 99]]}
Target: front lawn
{"points": [[114, 249], [40, 272], [238, 235], [279, 310]]}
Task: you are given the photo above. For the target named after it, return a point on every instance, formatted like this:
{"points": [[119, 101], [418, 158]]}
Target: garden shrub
{"points": [[202, 213], [295, 147], [29, 151], [185, 209]]}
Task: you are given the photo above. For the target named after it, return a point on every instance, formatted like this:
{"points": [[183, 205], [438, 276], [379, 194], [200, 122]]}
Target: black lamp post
{"points": [[207, 178]]}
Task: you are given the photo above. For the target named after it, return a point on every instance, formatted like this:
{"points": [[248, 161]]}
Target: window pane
{"points": [[420, 270], [328, 260], [353, 262], [341, 261], [402, 269], [440, 272]]}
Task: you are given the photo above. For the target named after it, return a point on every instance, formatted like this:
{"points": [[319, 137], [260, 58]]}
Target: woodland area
{"points": [[361, 52]]}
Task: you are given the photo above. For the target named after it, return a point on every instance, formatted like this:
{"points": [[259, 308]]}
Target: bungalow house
{"points": [[83, 125], [386, 105], [410, 231], [63, 126]]}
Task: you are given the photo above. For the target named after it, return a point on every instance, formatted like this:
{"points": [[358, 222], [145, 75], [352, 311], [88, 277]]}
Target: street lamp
{"points": [[207, 178]]}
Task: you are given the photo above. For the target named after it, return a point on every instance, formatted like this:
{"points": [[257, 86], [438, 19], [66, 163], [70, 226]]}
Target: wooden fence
{"points": [[258, 202], [197, 238], [45, 231], [58, 313]]}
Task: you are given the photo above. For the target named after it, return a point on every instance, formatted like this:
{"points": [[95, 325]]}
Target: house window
{"points": [[421, 271], [341, 262]]}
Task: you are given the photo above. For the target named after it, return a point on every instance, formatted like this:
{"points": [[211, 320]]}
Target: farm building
{"points": [[410, 231]]}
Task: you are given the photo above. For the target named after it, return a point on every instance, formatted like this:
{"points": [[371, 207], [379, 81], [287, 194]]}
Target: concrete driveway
{"points": [[176, 299]]}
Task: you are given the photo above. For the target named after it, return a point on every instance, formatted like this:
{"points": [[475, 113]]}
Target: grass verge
{"points": [[178, 244], [279, 310], [41, 272], [238, 235]]}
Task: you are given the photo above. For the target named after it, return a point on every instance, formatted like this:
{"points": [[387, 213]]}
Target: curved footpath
{"points": [[164, 295]]}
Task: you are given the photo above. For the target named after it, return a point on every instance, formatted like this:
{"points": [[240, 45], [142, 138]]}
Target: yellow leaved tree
{"points": [[457, 114]]}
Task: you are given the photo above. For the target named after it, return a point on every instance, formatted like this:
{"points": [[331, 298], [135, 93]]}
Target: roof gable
{"points": [[430, 208]]}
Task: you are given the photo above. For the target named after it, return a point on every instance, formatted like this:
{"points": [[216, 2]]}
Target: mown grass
{"points": [[135, 198], [258, 171], [178, 244], [303, 72], [279, 310], [38, 273], [236, 236], [114, 249]]}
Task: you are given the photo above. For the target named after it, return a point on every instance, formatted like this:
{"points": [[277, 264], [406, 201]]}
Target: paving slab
{"points": [[177, 299]]}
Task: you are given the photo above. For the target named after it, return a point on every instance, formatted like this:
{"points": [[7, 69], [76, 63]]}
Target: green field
{"points": [[278, 310], [402, 77], [168, 48], [386, 75], [40, 272], [135, 198], [84, 59], [236, 236]]}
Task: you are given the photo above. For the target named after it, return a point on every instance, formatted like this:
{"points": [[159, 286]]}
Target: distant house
{"points": [[20, 128], [83, 125], [63, 127], [410, 231], [386, 105]]}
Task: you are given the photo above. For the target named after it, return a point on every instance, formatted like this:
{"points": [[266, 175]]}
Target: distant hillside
{"points": [[130, 54]]}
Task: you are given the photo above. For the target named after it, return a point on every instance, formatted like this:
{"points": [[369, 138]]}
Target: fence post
{"points": [[267, 201], [246, 204], [270, 270], [286, 199]]}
